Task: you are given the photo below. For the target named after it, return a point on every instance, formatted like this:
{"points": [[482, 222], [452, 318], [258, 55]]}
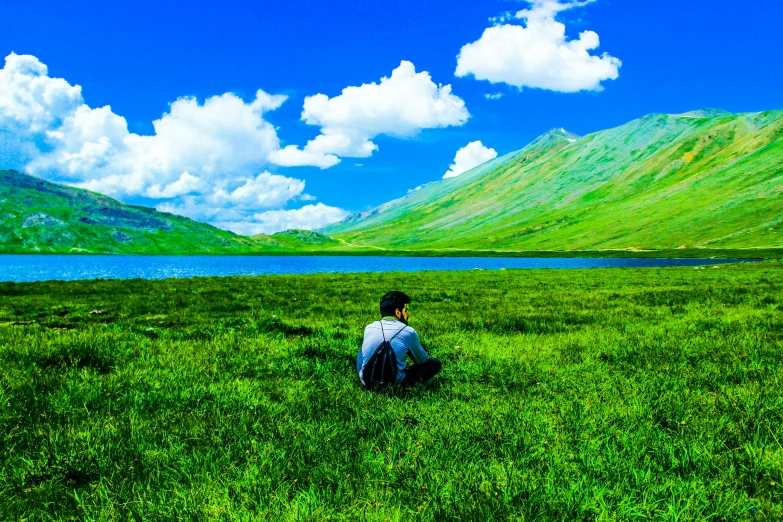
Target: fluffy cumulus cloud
{"points": [[31, 104], [471, 155], [194, 145], [203, 158], [400, 105], [308, 217], [237, 209], [538, 54]]}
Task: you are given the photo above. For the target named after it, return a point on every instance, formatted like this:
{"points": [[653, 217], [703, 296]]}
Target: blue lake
{"points": [[25, 268]]}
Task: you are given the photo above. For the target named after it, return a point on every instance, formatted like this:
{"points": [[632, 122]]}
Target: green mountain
{"points": [[37, 216], [704, 179]]}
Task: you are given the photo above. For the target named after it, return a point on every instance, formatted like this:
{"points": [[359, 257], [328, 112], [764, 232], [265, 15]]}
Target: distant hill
{"points": [[37, 216], [296, 238], [704, 179]]}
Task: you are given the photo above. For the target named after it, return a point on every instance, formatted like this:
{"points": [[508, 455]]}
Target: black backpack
{"points": [[381, 369]]}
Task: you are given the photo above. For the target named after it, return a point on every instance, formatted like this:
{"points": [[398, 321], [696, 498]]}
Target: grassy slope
{"points": [[661, 182], [566, 395], [41, 217]]}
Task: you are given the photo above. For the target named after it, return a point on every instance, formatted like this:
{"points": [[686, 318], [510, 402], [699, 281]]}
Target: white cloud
{"points": [[400, 105], [236, 202], [184, 185], [264, 191], [293, 156], [203, 158], [538, 54], [471, 155], [308, 217], [493, 96], [48, 130], [223, 136], [31, 103]]}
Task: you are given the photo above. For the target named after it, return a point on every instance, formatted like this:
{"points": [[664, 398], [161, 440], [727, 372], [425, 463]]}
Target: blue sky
{"points": [[228, 163]]}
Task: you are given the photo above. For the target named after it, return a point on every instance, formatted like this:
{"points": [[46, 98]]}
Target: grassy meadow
{"points": [[602, 394]]}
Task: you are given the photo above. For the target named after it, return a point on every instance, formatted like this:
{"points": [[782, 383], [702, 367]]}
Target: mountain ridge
{"points": [[543, 144], [661, 177], [704, 179]]}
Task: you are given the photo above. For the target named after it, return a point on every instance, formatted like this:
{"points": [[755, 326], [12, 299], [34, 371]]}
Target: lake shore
{"points": [[683, 253]]}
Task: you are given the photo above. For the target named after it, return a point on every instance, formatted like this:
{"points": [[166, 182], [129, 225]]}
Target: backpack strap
{"points": [[393, 336], [398, 333]]}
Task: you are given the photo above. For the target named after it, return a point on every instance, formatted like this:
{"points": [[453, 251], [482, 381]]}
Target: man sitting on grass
{"points": [[393, 327]]}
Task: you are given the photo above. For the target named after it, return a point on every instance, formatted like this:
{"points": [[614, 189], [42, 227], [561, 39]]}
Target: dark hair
{"points": [[392, 301]]}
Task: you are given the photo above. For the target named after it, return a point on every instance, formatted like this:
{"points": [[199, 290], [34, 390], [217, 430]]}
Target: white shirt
{"points": [[406, 342]]}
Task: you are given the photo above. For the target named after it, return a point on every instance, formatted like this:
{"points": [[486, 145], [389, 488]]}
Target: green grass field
{"points": [[611, 394]]}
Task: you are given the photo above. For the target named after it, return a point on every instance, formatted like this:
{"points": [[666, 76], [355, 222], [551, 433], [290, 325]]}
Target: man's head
{"points": [[395, 304]]}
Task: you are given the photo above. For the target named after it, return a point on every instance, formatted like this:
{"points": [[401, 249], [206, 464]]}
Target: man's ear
{"points": [[398, 313]]}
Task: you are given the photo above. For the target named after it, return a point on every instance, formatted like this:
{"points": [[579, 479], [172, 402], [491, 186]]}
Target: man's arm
{"points": [[415, 349]]}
